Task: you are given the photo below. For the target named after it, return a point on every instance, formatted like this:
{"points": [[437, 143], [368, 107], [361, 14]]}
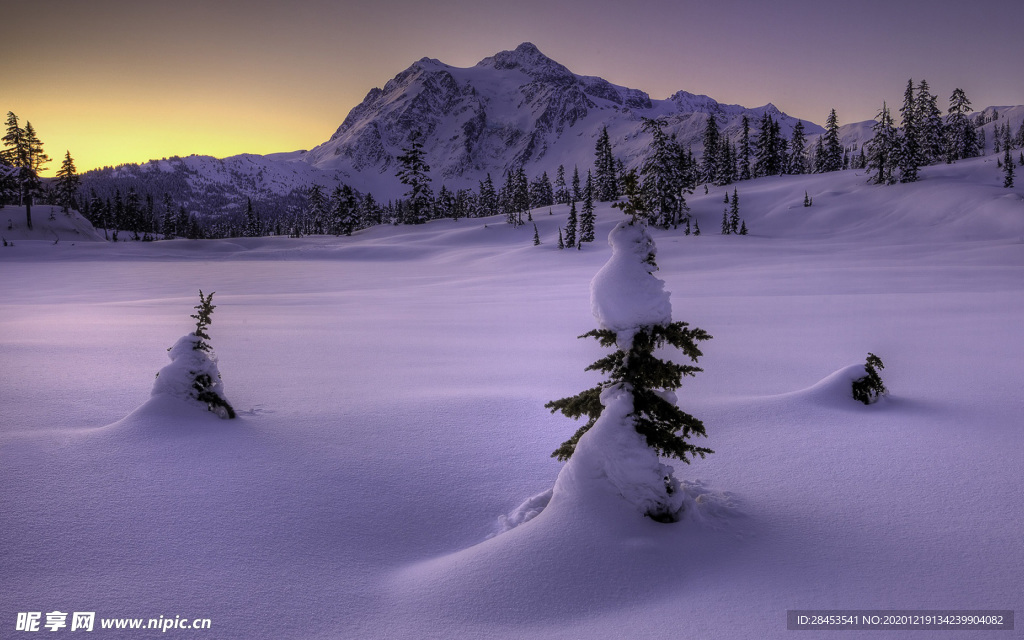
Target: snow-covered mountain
{"points": [[514, 108]]}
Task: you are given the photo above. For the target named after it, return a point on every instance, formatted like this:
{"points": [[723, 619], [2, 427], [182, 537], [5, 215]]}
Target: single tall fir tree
{"points": [[833, 160], [67, 183], [570, 227], [412, 172], [587, 212], [883, 148], [604, 170], [909, 154], [632, 417]]}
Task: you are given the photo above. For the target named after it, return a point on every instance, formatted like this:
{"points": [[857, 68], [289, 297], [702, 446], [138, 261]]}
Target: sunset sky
{"points": [[117, 81]]}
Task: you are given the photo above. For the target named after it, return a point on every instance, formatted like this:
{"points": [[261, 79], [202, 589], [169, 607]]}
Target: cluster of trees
{"points": [[21, 159], [926, 137]]}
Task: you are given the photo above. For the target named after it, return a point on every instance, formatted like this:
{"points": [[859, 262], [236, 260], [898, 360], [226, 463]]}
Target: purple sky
{"points": [[117, 81]]}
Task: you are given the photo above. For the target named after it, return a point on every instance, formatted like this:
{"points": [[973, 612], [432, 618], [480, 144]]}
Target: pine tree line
{"points": [[925, 137]]}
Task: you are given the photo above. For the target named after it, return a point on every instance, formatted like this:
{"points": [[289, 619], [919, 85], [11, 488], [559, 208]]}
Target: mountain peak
{"points": [[528, 59]]}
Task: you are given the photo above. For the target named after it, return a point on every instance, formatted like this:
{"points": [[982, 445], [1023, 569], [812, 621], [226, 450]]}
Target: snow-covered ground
{"points": [[390, 390]]}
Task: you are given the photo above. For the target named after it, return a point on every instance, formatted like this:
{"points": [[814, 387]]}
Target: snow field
{"points": [[390, 388]]}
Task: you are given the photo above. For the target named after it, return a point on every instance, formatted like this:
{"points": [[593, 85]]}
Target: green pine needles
{"points": [[655, 416], [869, 388], [204, 318], [205, 387]]}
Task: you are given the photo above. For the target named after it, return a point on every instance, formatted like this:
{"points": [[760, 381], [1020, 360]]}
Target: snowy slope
{"points": [[391, 385], [48, 223]]}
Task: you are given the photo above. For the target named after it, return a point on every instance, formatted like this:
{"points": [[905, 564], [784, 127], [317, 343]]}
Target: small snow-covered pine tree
{"points": [[536, 235], [193, 375], [632, 417], [870, 388]]}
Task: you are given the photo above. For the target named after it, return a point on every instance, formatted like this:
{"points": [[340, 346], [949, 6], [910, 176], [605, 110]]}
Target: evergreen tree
{"points": [[561, 191], [587, 212], [819, 155], [734, 213], [709, 160], [249, 227], [193, 372], [24, 152], [576, 193], [344, 210], [318, 208], [743, 228], [807, 200], [536, 235], [635, 375], [541, 192], [767, 154], [570, 227], [726, 227], [370, 213], [744, 154], [1008, 168], [412, 172], [132, 213], [909, 153], [444, 203], [833, 160], [488, 198], [883, 148], [561, 243], [520, 195], [696, 227], [604, 170], [67, 183], [870, 387], [798, 150], [663, 185], [961, 141], [932, 135], [635, 205]]}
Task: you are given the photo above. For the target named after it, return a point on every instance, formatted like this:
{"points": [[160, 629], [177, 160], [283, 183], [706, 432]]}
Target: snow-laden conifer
{"points": [[193, 375], [632, 417], [870, 387]]}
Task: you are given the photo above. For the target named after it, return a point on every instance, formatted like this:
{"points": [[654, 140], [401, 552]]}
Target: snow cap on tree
{"points": [[624, 295]]}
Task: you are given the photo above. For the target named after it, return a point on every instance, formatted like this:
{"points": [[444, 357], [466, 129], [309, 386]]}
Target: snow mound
{"points": [[49, 223], [835, 389], [713, 509], [528, 510], [624, 295]]}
